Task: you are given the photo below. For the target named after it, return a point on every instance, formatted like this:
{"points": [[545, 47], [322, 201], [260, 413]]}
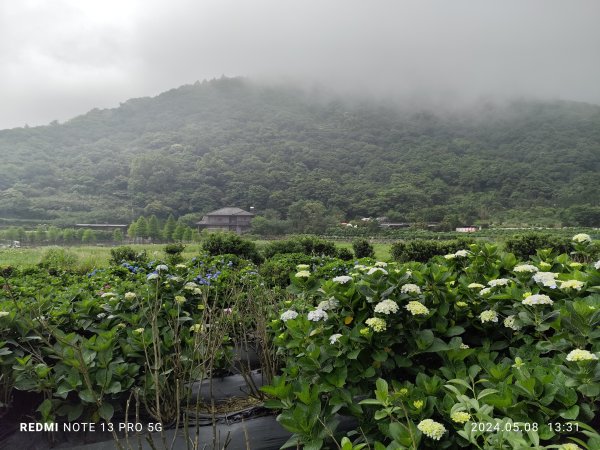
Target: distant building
{"points": [[467, 229], [226, 219]]}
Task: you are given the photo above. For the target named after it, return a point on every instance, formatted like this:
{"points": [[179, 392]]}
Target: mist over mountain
{"points": [[234, 142]]}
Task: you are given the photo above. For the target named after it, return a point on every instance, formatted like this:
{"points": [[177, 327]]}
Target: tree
{"points": [[118, 235], [153, 228], [68, 235], [141, 227], [169, 228], [54, 234], [308, 216], [88, 236], [179, 232], [132, 230]]}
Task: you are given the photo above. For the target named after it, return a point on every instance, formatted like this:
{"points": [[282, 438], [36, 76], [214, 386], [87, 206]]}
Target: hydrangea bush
{"points": [[474, 350]]}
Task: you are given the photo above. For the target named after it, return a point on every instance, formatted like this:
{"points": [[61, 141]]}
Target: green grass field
{"points": [[91, 257]]}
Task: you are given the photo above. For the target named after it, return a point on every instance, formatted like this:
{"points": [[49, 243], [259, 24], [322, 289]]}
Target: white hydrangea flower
{"points": [[317, 314], [525, 268], [417, 308], [180, 266], [570, 446], [373, 270], [597, 265], [108, 294], [450, 256], [581, 355], [4, 313], [378, 325], [488, 316], [328, 305], [290, 314], [196, 328], [582, 237], [498, 282], [509, 322], [464, 346], [360, 267], [342, 279], [334, 338], [460, 417], [571, 284], [302, 267], [130, 295], [410, 289], [380, 264], [475, 286], [461, 253], [485, 291], [537, 299], [190, 286], [431, 429], [547, 279], [303, 274], [386, 307], [162, 267]]}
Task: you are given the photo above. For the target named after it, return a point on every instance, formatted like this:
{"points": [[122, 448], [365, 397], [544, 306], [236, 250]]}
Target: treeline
{"points": [[142, 230], [52, 235], [151, 228], [233, 142]]}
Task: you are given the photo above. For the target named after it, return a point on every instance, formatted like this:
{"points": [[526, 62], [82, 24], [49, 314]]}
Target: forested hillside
{"points": [[231, 142]]}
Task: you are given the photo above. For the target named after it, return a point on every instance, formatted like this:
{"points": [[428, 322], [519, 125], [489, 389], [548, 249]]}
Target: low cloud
{"points": [[62, 59]]}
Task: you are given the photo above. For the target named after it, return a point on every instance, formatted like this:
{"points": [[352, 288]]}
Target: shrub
{"points": [[173, 252], [281, 247], [123, 254], [363, 249], [525, 245], [276, 271], [345, 254], [318, 247], [309, 245], [222, 243], [422, 250], [58, 259]]}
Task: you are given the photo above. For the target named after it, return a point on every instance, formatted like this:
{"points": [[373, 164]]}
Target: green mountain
{"points": [[232, 142]]}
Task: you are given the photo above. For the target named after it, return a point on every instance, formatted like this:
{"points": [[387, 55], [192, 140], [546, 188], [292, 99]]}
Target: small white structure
{"points": [[467, 229]]}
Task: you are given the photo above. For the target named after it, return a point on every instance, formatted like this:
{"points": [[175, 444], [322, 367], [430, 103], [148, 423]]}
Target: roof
{"points": [[229, 212]]}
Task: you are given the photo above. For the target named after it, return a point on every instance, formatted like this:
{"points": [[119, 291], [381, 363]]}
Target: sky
{"points": [[62, 58]]}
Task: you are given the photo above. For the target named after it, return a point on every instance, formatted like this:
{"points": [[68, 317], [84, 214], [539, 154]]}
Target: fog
{"points": [[60, 59]]}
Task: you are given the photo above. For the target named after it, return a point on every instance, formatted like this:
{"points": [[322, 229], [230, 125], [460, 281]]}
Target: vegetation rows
{"points": [[474, 348]]}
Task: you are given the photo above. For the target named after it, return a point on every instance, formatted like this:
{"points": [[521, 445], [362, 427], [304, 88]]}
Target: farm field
{"points": [[90, 257], [471, 348]]}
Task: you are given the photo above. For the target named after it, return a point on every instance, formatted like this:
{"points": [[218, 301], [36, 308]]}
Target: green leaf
{"points": [[87, 396], [380, 355], [589, 390], [370, 401], [570, 413], [114, 388], [454, 331], [45, 409], [74, 412], [424, 339], [106, 411]]}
